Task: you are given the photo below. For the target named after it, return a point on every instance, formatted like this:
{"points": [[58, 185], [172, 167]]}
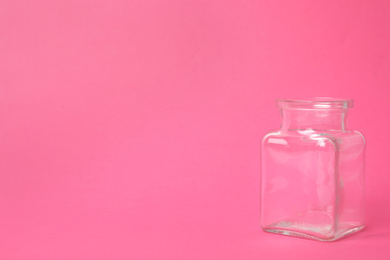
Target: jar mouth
{"points": [[315, 103]]}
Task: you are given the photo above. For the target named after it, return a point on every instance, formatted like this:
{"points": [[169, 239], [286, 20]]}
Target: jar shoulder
{"points": [[273, 134], [358, 135], [336, 138]]}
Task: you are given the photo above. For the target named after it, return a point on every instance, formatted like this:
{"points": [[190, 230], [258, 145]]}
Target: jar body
{"points": [[312, 180]]}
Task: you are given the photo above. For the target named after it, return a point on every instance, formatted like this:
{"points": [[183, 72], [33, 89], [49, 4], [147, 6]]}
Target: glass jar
{"points": [[312, 181]]}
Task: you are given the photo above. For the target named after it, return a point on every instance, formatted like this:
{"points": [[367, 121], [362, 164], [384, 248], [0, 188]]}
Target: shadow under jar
{"points": [[312, 171]]}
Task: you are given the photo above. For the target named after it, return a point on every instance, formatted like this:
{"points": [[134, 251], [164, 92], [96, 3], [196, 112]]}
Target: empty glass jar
{"points": [[312, 180]]}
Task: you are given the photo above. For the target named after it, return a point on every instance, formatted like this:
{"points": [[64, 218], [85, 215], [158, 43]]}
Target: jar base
{"points": [[287, 232]]}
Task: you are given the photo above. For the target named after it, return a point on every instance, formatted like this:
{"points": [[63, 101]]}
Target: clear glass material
{"points": [[312, 180]]}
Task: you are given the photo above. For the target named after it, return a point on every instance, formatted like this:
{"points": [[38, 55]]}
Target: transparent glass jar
{"points": [[312, 179]]}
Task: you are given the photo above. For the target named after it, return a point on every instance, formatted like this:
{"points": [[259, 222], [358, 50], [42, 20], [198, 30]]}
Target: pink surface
{"points": [[131, 129]]}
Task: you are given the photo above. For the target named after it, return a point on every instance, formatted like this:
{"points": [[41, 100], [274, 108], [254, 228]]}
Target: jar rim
{"points": [[315, 103]]}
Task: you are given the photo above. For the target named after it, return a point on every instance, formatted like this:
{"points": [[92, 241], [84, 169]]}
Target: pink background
{"points": [[131, 129]]}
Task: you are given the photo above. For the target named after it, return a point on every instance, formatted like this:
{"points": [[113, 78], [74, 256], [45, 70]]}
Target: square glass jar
{"points": [[312, 171]]}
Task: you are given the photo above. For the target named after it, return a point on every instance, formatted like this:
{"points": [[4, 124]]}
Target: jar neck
{"points": [[316, 119]]}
